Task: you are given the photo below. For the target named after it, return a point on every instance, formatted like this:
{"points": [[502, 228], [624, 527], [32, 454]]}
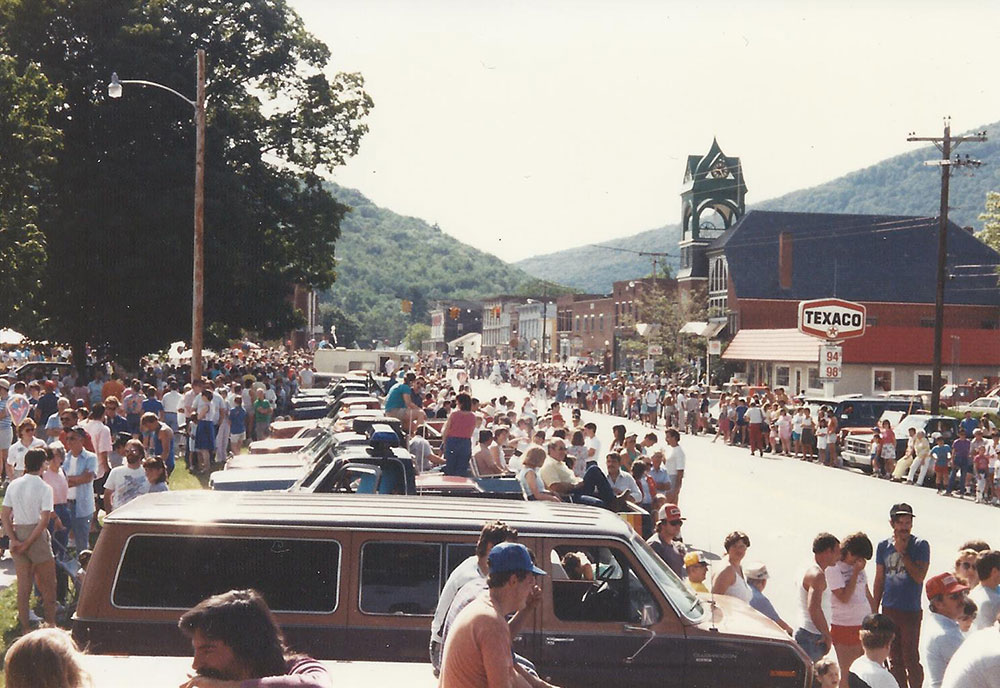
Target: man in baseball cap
{"points": [[664, 541], [942, 635], [467, 660], [901, 563]]}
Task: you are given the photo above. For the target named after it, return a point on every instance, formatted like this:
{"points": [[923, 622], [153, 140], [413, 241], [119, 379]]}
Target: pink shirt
{"points": [[57, 481], [461, 424]]}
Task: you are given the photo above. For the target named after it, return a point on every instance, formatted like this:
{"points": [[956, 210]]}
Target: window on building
{"points": [[813, 379], [781, 376], [927, 322], [881, 380], [400, 577], [871, 321], [600, 322], [989, 325], [576, 323]]}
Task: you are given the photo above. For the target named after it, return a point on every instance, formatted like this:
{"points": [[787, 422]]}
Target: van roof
{"points": [[367, 511]]}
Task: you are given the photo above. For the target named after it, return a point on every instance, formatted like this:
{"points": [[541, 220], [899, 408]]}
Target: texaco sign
{"points": [[831, 319]]}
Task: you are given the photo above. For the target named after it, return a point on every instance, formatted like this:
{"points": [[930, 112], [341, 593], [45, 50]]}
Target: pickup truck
{"points": [[857, 445]]}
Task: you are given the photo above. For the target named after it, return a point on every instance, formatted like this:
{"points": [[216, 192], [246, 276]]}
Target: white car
{"points": [[981, 405]]}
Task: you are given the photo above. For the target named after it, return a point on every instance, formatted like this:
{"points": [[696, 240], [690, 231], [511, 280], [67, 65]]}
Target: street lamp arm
{"points": [[143, 82]]}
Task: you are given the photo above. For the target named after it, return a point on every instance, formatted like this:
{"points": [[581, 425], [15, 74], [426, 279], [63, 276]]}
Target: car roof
{"points": [[367, 511]]}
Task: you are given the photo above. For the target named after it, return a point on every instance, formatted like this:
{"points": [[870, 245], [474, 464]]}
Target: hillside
{"points": [[383, 257], [592, 269], [899, 185]]}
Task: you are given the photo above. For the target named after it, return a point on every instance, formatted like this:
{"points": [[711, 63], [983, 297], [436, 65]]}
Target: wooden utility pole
{"points": [[946, 144], [198, 277]]}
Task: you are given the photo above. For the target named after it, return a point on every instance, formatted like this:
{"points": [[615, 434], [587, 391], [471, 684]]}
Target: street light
{"points": [[198, 276]]}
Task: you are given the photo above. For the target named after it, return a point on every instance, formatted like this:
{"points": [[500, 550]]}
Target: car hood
{"points": [[735, 617]]}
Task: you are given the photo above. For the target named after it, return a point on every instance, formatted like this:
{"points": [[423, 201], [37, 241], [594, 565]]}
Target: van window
{"points": [[178, 572], [598, 584], [458, 553], [400, 577]]}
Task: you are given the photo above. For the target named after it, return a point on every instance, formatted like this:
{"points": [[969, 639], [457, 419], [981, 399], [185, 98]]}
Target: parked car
{"points": [[357, 577], [857, 445], [980, 406]]}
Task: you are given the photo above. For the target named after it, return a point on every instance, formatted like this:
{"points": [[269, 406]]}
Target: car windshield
{"points": [[684, 600], [317, 447]]}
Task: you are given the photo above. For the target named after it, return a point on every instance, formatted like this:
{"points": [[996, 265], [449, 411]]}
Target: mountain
{"points": [[592, 269], [901, 185], [383, 258]]}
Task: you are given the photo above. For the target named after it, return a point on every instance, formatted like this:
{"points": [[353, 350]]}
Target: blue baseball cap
{"points": [[512, 556]]}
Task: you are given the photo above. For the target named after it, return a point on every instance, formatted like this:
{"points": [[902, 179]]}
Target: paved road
{"points": [[783, 503]]}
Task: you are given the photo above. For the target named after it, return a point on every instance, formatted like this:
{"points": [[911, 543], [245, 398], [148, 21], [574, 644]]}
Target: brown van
{"points": [[357, 577]]}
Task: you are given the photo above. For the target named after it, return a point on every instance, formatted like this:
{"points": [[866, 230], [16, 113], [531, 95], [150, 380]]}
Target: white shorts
{"points": [[237, 436], [6, 438]]}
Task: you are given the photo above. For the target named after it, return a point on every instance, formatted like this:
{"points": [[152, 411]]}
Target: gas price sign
{"points": [[831, 358]]}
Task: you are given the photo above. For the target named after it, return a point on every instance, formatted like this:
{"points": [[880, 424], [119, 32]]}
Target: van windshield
{"points": [[684, 601]]}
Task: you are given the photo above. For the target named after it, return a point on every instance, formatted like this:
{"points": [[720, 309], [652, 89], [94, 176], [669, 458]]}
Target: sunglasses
{"points": [[676, 523]]}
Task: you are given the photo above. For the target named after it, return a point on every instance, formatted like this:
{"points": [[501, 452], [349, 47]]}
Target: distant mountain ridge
{"points": [[384, 257], [900, 185]]}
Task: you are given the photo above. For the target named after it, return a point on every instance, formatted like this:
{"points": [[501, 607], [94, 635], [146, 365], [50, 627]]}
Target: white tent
{"points": [[9, 337]]}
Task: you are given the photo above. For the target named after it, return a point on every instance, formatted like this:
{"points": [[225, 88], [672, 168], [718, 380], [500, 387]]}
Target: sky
{"points": [[528, 127]]}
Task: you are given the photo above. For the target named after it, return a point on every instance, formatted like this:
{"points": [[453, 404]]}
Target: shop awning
{"points": [[702, 329], [786, 345]]}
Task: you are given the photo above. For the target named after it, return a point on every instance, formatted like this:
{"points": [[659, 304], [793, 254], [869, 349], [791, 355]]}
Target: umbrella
{"points": [[9, 337]]}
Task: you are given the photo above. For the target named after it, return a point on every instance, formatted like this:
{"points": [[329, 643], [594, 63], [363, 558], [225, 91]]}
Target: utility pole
{"points": [[946, 144]]}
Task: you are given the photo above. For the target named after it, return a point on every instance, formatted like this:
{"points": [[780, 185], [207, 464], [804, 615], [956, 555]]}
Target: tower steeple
{"points": [[712, 201]]}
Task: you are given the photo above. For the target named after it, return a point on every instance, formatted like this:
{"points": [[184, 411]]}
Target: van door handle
{"points": [[549, 640]]}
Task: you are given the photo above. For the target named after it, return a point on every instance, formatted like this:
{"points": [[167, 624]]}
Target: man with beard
{"points": [[236, 639]]}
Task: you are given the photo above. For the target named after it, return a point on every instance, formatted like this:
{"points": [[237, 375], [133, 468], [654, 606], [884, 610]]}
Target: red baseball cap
{"points": [[669, 512], [943, 584]]}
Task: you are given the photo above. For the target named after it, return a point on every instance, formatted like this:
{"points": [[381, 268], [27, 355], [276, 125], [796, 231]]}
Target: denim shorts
{"points": [[812, 643]]}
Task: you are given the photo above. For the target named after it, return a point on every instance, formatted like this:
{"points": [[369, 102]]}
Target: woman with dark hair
{"points": [[618, 434], [456, 436], [731, 580]]}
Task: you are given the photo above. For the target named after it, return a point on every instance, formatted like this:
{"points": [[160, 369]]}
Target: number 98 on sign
{"points": [[830, 361]]}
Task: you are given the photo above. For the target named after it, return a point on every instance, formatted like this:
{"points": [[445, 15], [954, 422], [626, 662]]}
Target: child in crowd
{"points": [[868, 671], [941, 454]]}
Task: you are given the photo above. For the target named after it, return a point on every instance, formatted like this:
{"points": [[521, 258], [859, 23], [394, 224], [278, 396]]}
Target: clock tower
{"points": [[712, 201]]}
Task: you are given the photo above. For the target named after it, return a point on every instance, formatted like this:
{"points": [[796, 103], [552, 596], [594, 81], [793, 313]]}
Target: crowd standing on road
{"points": [[111, 438]]}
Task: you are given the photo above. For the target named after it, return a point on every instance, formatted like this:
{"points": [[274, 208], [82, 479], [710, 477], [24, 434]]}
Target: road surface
{"points": [[783, 503]]}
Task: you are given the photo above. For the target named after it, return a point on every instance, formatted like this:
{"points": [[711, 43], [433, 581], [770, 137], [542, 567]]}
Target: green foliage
{"points": [[990, 235], [347, 327], [383, 258], [415, 335], [594, 269], [666, 313], [119, 227], [28, 144]]}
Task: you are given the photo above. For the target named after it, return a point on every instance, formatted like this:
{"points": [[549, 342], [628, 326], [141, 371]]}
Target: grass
{"points": [[180, 479]]}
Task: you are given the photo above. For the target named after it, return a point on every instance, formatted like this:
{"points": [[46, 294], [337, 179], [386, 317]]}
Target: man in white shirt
{"points": [[621, 480], [128, 481], [674, 461], [940, 636], [977, 663], [27, 507], [986, 595], [100, 439], [171, 403]]}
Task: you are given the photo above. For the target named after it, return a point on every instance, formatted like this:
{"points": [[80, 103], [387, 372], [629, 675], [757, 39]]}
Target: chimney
{"points": [[785, 260]]}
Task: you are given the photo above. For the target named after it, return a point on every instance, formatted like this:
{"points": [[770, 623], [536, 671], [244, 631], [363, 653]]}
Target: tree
{"points": [[345, 325], [666, 313], [28, 146], [119, 228], [990, 234], [415, 335]]}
